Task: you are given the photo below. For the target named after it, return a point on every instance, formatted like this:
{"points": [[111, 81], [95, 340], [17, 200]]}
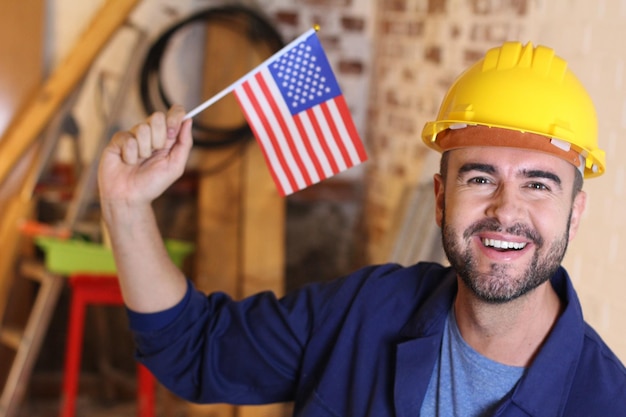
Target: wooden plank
{"points": [[219, 192], [30, 123], [263, 222], [220, 183], [17, 210], [263, 261], [11, 337], [241, 215], [30, 345], [21, 64], [21, 72]]}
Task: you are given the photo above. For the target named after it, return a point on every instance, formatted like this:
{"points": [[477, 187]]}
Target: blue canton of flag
{"points": [[304, 77], [299, 116]]}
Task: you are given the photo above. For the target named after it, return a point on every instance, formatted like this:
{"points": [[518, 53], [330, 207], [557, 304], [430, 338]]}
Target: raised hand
{"points": [[138, 165]]}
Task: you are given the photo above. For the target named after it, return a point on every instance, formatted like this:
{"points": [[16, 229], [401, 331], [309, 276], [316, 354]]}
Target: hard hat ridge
{"points": [[527, 89]]}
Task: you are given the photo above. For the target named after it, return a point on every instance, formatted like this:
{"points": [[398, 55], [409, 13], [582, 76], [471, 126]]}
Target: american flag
{"points": [[299, 116]]}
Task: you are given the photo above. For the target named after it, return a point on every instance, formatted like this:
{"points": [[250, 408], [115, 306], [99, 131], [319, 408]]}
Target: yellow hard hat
{"points": [[526, 89]]}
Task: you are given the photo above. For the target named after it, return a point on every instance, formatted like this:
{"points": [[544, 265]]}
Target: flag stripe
{"points": [[331, 119], [308, 131], [311, 145], [267, 141], [299, 143], [352, 133], [275, 135], [322, 138], [275, 168], [283, 138], [329, 138]]}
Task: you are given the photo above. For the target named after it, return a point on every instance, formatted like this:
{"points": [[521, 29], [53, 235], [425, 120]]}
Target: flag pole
{"points": [[234, 85]]}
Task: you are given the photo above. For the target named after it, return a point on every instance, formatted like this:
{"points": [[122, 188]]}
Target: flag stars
{"points": [[300, 77]]}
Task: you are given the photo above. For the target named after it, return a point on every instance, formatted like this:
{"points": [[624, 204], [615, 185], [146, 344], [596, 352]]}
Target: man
{"points": [[499, 333]]}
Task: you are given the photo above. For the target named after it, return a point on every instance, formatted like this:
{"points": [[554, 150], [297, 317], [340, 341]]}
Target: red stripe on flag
{"points": [[270, 132], [284, 129], [335, 134], [309, 148], [323, 142], [256, 133], [340, 101]]}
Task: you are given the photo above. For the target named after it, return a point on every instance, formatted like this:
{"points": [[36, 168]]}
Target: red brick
{"points": [[331, 3], [354, 24], [433, 54], [394, 5], [487, 7], [491, 32], [412, 28], [351, 67], [472, 56], [287, 18], [437, 6], [455, 32]]}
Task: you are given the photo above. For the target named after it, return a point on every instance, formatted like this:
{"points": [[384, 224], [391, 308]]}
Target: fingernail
{"points": [[171, 132]]}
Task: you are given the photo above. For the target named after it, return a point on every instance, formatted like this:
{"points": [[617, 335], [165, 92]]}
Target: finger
{"points": [[175, 116], [124, 144], [158, 130], [142, 134], [130, 151]]}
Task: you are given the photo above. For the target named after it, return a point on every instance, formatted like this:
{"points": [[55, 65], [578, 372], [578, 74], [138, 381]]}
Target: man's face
{"points": [[507, 216]]}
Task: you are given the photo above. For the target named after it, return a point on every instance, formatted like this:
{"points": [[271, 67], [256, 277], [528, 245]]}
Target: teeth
{"points": [[502, 244]]}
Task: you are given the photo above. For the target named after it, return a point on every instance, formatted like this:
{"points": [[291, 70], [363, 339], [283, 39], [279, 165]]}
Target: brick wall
{"points": [[423, 45], [587, 35]]}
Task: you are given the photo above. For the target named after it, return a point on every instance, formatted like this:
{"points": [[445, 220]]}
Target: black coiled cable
{"points": [[256, 28]]}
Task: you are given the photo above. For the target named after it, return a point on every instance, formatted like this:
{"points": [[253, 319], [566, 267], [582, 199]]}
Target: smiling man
{"points": [[498, 333]]}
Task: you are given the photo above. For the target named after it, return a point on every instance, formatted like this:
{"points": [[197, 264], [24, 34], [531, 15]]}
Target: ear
{"points": [[439, 188], [578, 208]]}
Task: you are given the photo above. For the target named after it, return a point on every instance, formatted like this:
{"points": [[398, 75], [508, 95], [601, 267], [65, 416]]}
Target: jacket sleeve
{"points": [[242, 352]]}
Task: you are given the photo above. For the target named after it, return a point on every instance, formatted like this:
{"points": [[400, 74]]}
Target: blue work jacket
{"points": [[365, 345]]}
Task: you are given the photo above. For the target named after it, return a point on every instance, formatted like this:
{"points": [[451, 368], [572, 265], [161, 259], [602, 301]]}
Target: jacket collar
{"points": [[542, 391], [417, 353]]}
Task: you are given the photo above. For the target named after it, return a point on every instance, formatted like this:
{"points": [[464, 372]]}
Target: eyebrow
{"points": [[538, 173], [490, 169], [476, 166]]}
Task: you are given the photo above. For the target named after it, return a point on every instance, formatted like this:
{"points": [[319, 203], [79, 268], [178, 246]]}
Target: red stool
{"points": [[90, 289]]}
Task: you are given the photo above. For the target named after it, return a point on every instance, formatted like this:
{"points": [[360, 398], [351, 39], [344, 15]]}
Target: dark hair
{"points": [[578, 177]]}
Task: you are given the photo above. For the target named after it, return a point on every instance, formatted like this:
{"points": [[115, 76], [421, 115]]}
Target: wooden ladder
{"points": [[50, 104], [27, 342]]}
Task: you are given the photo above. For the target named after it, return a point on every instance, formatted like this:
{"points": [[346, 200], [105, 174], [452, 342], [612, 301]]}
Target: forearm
{"points": [[149, 280]]}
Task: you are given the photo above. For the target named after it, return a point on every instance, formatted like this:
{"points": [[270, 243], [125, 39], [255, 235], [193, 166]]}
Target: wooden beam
{"points": [[219, 190], [241, 215], [30, 123]]}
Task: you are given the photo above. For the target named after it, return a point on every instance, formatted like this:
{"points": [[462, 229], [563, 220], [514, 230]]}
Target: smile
{"points": [[503, 244]]}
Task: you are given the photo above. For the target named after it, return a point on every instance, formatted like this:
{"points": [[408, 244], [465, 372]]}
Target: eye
{"points": [[479, 180], [538, 186]]}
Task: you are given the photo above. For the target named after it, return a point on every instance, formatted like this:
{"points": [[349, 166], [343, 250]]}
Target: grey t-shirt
{"points": [[464, 382]]}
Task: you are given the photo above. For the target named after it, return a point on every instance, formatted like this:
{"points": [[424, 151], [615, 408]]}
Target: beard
{"points": [[501, 283]]}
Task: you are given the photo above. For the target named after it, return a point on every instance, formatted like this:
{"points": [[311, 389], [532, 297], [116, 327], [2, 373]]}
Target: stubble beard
{"points": [[500, 285]]}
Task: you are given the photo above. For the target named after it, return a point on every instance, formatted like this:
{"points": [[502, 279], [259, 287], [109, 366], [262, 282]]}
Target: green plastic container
{"points": [[70, 256]]}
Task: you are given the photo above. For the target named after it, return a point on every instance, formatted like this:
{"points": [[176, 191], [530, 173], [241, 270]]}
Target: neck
{"points": [[510, 333]]}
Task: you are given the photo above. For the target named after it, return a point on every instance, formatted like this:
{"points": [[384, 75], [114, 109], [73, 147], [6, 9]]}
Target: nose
{"points": [[505, 205]]}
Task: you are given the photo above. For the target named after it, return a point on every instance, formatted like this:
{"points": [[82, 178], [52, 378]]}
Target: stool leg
{"points": [[73, 354], [145, 392]]}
